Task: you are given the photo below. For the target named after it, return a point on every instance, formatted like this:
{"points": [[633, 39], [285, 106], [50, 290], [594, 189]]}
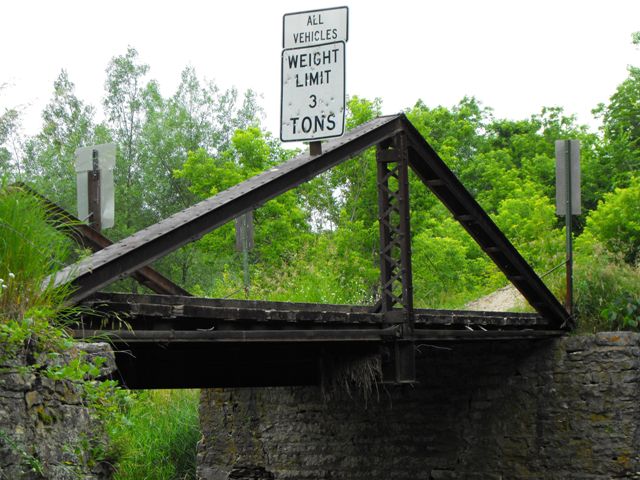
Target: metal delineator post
{"points": [[244, 243], [568, 202]]}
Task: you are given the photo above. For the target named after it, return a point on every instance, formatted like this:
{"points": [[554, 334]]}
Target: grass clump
{"points": [[607, 293], [158, 436], [606, 288], [33, 334], [32, 313], [30, 251]]}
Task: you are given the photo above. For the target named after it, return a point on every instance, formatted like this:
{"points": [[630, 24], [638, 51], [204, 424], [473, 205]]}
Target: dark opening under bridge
{"points": [[171, 339]]}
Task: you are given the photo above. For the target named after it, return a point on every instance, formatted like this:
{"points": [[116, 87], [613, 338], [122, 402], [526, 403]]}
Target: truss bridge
{"points": [[171, 339]]}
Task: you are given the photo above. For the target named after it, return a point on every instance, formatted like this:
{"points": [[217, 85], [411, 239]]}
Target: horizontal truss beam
{"points": [[242, 336], [177, 311], [303, 336]]}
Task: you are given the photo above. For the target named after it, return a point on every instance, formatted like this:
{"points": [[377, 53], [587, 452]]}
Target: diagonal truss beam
{"points": [[435, 174], [122, 258], [87, 236]]}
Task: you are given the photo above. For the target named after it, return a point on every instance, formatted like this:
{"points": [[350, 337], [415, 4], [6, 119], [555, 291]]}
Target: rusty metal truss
{"points": [[122, 258]]}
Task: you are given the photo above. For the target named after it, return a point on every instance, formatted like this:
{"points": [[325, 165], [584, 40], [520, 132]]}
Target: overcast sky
{"points": [[513, 55]]}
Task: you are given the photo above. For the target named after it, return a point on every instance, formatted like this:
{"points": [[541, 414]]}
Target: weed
{"points": [[158, 435]]}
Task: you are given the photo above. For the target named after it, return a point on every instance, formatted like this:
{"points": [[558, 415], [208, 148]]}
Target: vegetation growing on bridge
{"points": [[319, 242], [34, 340]]}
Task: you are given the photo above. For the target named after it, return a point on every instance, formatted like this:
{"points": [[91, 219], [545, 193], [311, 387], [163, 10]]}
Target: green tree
{"points": [[67, 125], [124, 110], [448, 267], [281, 226], [344, 193], [616, 221], [196, 120], [9, 161], [456, 133], [619, 154], [527, 217]]}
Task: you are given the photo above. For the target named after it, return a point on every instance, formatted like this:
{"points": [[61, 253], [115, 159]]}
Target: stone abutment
{"points": [[560, 409]]}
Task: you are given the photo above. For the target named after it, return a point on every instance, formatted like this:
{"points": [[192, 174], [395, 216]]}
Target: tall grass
{"points": [[153, 434], [603, 285], [158, 438], [30, 250]]}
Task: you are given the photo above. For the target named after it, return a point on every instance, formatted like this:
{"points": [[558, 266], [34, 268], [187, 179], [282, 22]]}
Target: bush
{"points": [[616, 222], [607, 290], [157, 439]]}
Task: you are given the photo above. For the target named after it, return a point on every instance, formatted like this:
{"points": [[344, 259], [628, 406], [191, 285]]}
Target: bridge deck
{"points": [[169, 341], [182, 313]]}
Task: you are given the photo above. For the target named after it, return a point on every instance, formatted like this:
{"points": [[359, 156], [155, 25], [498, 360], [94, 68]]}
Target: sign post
{"points": [[95, 195], [244, 243], [568, 200], [313, 76], [93, 187]]}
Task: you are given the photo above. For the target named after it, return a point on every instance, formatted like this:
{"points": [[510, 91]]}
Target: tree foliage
{"points": [[67, 125], [10, 143], [320, 241], [616, 222]]}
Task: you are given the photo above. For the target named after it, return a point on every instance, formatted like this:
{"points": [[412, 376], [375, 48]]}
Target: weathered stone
{"points": [[443, 475], [555, 410], [32, 398], [628, 339], [43, 424], [12, 380]]}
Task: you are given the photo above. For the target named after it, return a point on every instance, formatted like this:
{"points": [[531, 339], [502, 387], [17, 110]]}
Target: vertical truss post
{"points": [[392, 159], [393, 217]]}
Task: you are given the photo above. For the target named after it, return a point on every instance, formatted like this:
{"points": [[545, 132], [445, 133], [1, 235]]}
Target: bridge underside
{"points": [[167, 341]]}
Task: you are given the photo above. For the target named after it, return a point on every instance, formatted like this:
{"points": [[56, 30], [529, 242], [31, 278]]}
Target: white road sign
{"points": [[315, 27], [313, 92]]}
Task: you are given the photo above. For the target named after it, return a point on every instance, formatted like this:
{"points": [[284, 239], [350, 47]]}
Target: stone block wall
{"points": [[562, 409], [45, 429]]}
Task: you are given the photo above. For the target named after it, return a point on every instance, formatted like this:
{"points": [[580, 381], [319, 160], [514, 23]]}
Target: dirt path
{"points": [[507, 298]]}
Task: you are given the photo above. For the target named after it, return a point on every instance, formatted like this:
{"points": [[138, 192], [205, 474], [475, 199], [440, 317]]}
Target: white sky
{"points": [[513, 55]]}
